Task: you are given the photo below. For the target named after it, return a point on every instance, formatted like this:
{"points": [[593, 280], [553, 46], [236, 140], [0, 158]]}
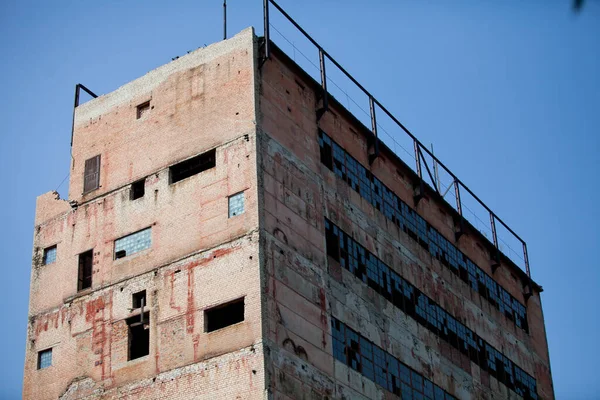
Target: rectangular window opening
{"points": [[192, 166], [44, 359], [236, 204], [138, 336], [138, 189], [138, 299], [142, 109], [49, 255], [91, 174], [224, 315], [131, 244], [84, 279]]}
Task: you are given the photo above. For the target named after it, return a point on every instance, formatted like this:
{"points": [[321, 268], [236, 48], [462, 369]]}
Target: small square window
{"points": [[139, 299], [44, 358], [49, 255], [236, 204], [138, 189], [143, 109]]}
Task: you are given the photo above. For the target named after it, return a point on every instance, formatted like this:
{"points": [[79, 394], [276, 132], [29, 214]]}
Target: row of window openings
{"points": [[365, 357], [381, 197], [131, 244], [377, 275], [138, 327], [177, 172]]}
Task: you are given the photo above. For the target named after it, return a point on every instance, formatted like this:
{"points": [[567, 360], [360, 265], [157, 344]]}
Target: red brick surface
{"points": [[262, 124]]}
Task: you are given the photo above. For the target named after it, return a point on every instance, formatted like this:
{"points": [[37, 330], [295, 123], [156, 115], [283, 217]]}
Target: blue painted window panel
{"points": [[133, 243], [49, 255], [236, 204], [44, 359]]}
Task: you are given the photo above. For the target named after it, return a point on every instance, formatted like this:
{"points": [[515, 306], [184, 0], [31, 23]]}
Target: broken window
{"points": [[352, 256], [49, 255], [224, 315], [138, 189], [91, 175], [138, 336], [365, 357], [192, 166], [84, 279], [139, 299], [236, 204], [44, 359], [337, 159], [133, 243], [142, 109]]}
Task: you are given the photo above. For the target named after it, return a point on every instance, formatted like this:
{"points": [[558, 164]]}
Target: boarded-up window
{"points": [[84, 276], [91, 175]]}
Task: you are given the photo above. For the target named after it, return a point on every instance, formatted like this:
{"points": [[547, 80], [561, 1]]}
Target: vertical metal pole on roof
{"points": [[526, 257], [493, 225], [496, 257], [325, 107], [372, 157], [266, 22], [436, 171], [75, 104], [418, 159], [460, 232], [418, 196], [224, 19]]}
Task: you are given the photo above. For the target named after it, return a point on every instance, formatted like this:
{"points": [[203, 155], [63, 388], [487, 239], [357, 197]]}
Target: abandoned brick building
{"points": [[232, 232]]}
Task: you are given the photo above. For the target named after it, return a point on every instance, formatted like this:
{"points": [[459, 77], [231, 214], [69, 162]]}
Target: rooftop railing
{"points": [[428, 167]]}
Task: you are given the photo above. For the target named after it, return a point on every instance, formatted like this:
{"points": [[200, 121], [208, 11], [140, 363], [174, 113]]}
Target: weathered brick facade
{"points": [[261, 122]]}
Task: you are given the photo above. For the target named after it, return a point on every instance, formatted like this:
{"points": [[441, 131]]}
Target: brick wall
{"points": [[305, 288], [199, 257]]}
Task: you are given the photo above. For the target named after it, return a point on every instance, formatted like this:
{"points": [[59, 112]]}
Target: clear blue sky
{"points": [[508, 91]]}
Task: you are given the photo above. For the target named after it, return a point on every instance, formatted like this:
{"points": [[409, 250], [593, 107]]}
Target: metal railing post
{"points": [[461, 227], [526, 257], [267, 28], [325, 107], [373, 156]]}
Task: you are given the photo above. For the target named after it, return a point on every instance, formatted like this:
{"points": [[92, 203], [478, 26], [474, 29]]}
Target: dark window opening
{"points": [[120, 254], [139, 336], [44, 359], [138, 189], [139, 299], [142, 109], [224, 315], [193, 166], [91, 174], [84, 279]]}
